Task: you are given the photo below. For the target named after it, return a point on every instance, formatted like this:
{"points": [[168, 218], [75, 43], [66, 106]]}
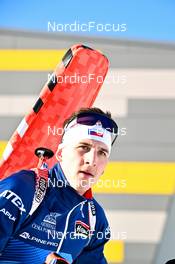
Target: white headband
{"points": [[78, 132]]}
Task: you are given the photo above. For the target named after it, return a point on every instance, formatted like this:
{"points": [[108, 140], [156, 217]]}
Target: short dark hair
{"points": [[87, 110]]}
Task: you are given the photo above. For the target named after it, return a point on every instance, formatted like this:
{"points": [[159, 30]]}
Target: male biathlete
{"points": [[67, 220]]}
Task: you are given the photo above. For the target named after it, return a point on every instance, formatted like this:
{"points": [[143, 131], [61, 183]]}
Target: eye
{"points": [[84, 147], [103, 153]]}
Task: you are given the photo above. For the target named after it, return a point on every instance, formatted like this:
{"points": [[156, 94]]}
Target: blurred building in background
{"points": [[140, 92]]}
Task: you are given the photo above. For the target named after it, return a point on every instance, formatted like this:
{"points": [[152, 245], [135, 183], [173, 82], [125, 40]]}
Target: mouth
{"points": [[87, 173]]}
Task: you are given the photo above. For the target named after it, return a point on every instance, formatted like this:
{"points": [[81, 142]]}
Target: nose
{"points": [[91, 158]]}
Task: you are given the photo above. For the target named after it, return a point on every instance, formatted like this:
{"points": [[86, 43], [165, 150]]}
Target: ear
{"points": [[59, 153]]}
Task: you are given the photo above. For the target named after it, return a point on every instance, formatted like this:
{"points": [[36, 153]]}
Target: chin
{"points": [[83, 186]]}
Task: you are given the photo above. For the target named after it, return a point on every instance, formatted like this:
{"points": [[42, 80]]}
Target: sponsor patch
{"points": [[8, 214], [38, 240], [81, 229], [15, 199], [25, 235], [42, 185], [92, 206], [49, 220]]}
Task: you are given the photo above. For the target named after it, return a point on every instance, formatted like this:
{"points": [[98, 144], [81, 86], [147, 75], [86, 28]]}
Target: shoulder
{"points": [[102, 223], [101, 234], [20, 185], [99, 211], [23, 179], [16, 196]]}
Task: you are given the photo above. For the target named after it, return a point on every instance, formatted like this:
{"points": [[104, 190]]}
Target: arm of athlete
{"points": [[14, 204]]}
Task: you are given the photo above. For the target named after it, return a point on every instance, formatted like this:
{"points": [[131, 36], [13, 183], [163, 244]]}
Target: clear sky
{"points": [[132, 19]]}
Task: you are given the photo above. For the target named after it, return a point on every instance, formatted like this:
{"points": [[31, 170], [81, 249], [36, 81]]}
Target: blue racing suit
{"points": [[61, 220]]}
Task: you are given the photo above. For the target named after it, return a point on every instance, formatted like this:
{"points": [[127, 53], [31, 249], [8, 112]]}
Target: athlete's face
{"points": [[83, 163]]}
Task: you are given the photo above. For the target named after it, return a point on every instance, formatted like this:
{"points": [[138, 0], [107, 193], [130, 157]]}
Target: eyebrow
{"points": [[90, 145]]}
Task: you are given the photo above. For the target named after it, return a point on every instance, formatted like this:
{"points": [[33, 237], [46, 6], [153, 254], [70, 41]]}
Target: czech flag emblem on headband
{"points": [[96, 132]]}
